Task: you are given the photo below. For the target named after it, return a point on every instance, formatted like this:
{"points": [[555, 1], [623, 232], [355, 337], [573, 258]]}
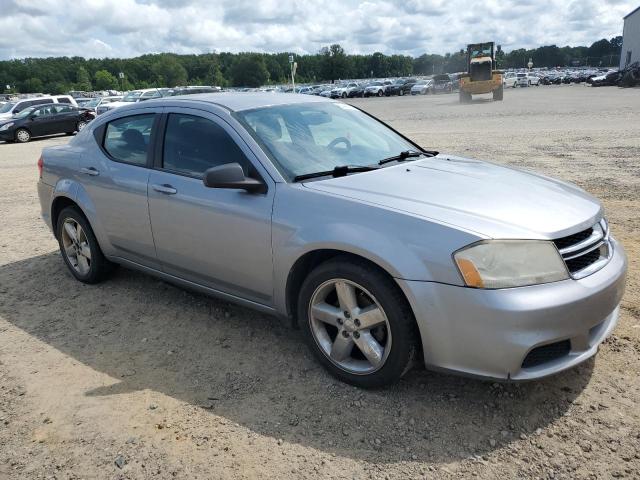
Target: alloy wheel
{"points": [[350, 326], [76, 246], [81, 125]]}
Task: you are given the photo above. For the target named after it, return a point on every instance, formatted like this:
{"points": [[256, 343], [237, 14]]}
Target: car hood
{"points": [[480, 197], [5, 116]]}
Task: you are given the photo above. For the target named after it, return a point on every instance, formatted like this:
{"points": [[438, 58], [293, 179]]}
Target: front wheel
{"points": [[81, 124], [498, 94], [23, 135], [401, 93], [79, 247], [380, 93], [357, 322]]}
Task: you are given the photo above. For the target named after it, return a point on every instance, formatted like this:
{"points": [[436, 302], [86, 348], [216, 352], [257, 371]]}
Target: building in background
{"points": [[631, 39]]}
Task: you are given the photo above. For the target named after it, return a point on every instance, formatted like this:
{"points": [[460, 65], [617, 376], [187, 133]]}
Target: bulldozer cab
{"points": [[480, 60]]}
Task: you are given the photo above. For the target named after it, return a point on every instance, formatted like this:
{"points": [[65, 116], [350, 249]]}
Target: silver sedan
{"points": [[380, 251]]}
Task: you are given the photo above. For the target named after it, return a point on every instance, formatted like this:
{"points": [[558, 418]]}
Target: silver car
{"points": [[381, 252]]}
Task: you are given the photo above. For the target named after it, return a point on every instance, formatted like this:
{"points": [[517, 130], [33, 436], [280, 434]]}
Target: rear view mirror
{"points": [[231, 175]]}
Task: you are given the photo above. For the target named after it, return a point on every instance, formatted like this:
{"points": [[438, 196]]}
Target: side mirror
{"points": [[231, 175]]}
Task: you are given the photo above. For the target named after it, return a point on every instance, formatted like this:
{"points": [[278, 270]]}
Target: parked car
{"points": [[192, 90], [402, 86], [342, 91], [421, 87], [357, 91], [377, 88], [510, 80], [442, 84], [533, 79], [96, 102], [81, 102], [522, 79], [43, 120], [381, 252], [134, 97], [609, 79], [11, 108]]}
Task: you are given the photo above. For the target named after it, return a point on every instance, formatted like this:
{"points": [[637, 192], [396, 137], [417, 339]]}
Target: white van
{"points": [[16, 106]]}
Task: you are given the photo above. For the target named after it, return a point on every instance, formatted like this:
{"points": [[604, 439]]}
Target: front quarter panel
{"points": [[406, 246]]}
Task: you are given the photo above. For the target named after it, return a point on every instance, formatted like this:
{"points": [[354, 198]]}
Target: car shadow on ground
{"points": [[253, 370]]}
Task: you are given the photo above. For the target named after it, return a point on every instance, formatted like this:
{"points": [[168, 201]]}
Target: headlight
{"points": [[6, 126], [510, 263]]}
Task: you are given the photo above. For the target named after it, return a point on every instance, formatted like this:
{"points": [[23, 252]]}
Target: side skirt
{"points": [[188, 285]]}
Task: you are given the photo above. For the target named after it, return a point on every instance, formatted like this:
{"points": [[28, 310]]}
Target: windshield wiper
{"points": [[402, 156], [339, 171]]}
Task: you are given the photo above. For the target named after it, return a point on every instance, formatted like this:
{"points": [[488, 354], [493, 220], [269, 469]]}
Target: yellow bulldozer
{"points": [[482, 76]]}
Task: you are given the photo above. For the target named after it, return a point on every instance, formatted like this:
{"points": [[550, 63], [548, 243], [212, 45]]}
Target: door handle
{"points": [[166, 189], [90, 171]]}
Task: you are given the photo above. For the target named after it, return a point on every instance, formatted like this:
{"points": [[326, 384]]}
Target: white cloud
{"points": [[98, 28]]}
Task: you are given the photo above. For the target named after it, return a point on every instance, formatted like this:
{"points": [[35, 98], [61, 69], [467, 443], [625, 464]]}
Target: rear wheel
{"points": [[499, 93], [79, 247], [23, 135], [464, 97], [380, 93], [357, 322], [401, 92]]}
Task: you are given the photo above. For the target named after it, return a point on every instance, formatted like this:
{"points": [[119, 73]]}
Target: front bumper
{"points": [[7, 135], [488, 333]]}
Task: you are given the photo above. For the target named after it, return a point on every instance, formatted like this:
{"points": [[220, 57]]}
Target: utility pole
{"points": [[294, 67]]}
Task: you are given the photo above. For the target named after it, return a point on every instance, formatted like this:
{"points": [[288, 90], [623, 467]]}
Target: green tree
{"points": [[32, 85], [168, 72], [105, 81], [249, 71], [335, 64], [83, 82]]}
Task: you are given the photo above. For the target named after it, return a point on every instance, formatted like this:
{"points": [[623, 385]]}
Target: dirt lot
{"points": [[137, 379]]}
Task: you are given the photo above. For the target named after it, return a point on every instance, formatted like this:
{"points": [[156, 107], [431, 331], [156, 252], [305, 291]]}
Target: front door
{"points": [[218, 238]]}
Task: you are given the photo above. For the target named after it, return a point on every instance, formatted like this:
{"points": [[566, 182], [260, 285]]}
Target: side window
{"points": [[63, 100], [127, 139], [193, 144], [62, 108]]}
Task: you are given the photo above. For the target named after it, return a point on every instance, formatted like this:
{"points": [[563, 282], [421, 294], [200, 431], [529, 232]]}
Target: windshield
{"points": [[132, 97], [92, 103], [310, 137], [7, 107]]}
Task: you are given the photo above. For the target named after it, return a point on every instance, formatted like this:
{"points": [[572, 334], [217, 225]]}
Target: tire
{"points": [[401, 92], [464, 97], [80, 125], [95, 267], [498, 94], [23, 135], [394, 337], [380, 93]]}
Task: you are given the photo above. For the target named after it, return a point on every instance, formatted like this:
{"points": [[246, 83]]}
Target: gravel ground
{"points": [[138, 379]]}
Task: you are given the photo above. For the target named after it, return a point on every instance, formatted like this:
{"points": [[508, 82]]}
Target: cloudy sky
{"points": [[126, 28]]}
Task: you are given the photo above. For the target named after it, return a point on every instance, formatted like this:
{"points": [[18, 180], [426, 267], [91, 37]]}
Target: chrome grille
{"points": [[587, 251]]}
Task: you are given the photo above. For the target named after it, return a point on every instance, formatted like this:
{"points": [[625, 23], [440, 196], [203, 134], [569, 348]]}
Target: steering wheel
{"points": [[338, 141]]}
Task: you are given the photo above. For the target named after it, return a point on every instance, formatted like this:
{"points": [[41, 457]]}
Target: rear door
{"points": [[218, 238], [115, 179], [67, 118]]}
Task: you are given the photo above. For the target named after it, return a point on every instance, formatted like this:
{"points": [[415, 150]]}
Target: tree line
{"points": [[62, 74]]}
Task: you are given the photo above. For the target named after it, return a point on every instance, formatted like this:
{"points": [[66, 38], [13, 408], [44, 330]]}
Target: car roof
{"points": [[238, 101]]}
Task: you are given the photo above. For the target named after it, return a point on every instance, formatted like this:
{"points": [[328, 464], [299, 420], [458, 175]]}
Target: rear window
{"points": [[127, 139], [63, 100]]}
